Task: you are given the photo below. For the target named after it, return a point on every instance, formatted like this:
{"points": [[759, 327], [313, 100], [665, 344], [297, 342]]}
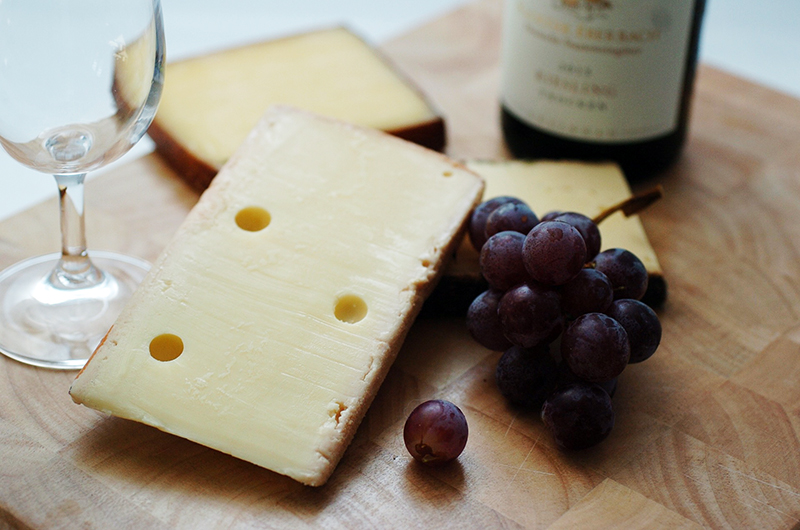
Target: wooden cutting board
{"points": [[708, 430]]}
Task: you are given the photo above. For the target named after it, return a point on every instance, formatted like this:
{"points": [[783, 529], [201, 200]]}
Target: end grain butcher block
{"points": [[707, 432], [273, 316]]}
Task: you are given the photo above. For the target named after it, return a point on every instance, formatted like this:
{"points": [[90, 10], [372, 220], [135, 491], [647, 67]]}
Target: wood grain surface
{"points": [[708, 430]]}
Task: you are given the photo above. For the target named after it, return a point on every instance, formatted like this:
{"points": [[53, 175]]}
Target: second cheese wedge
{"points": [[269, 322], [210, 103]]}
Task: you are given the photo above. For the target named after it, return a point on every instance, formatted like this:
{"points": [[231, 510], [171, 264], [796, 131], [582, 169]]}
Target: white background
{"points": [[756, 39]]}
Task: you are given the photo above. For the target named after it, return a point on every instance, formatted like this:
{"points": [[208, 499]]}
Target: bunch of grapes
{"points": [[567, 316]]}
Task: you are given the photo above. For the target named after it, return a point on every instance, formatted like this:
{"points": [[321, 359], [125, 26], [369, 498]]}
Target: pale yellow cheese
{"points": [[210, 103], [587, 188], [289, 324]]}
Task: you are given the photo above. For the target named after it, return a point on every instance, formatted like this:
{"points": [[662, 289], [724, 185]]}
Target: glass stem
{"points": [[74, 269]]}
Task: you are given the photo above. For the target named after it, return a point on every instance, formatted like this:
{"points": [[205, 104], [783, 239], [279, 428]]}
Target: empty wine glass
{"points": [[80, 82]]}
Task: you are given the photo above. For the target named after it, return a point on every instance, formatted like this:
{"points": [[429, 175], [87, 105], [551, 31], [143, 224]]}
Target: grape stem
{"points": [[633, 204]]}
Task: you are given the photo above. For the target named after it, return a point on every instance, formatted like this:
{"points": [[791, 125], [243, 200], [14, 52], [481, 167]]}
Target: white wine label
{"points": [[599, 70]]}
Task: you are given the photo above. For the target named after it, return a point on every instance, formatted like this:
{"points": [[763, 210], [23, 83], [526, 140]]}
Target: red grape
{"points": [[588, 230], [642, 326], [588, 292], [435, 432], [530, 314], [578, 415], [554, 252], [501, 260], [595, 347], [477, 221], [517, 217], [483, 322], [625, 271]]}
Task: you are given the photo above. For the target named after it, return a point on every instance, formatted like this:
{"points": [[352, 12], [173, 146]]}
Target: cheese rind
{"points": [[210, 103], [587, 188], [359, 226]]}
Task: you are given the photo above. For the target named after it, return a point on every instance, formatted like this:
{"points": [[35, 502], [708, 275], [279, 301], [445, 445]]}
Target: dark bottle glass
{"points": [[638, 157]]}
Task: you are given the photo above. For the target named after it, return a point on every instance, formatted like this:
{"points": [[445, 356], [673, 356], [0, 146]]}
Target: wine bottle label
{"points": [[599, 70]]}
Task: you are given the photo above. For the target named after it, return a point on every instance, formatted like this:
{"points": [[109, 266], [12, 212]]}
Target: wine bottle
{"points": [[599, 80]]}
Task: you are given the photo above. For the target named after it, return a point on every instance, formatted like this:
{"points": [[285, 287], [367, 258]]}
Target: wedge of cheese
{"points": [[210, 103], [268, 323], [587, 188]]}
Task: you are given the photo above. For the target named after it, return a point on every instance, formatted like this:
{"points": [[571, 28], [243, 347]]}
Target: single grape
{"points": [[435, 432], [530, 314], [477, 221], [483, 322], [642, 326], [595, 347], [501, 260], [554, 252], [517, 217], [527, 376], [550, 216], [588, 230], [578, 415], [588, 292], [625, 271]]}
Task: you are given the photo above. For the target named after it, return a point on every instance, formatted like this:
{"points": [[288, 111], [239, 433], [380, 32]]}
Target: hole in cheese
{"points": [[253, 218], [350, 308], [166, 347]]}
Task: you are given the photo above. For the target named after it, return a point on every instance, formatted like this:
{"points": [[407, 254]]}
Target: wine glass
{"points": [[80, 82]]}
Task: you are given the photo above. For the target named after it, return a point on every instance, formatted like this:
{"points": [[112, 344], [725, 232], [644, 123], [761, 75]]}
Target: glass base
{"points": [[52, 326]]}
